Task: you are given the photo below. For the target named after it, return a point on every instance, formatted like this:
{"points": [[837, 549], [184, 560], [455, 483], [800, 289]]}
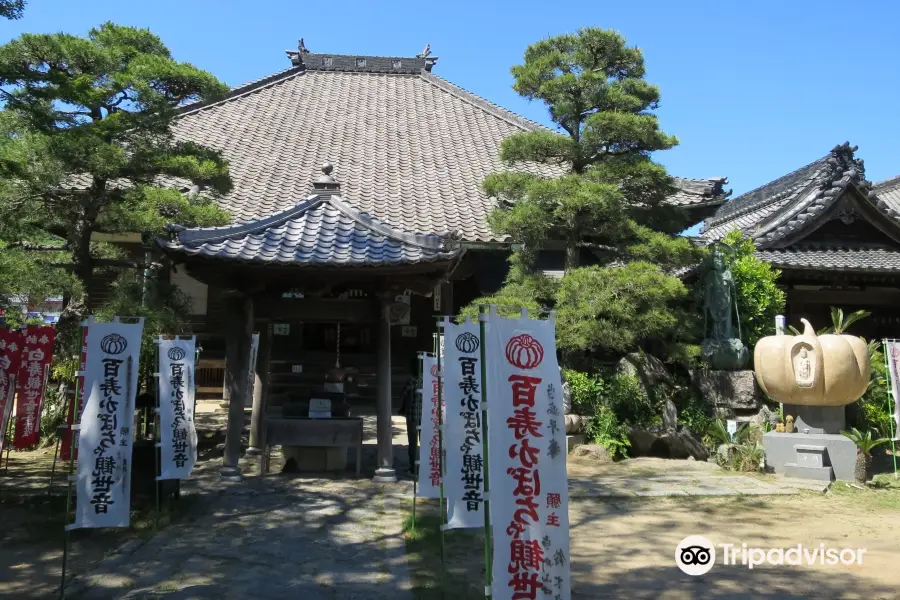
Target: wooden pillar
{"points": [[238, 337], [260, 391], [385, 469]]}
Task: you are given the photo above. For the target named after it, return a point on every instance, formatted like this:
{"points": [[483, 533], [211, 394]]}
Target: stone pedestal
{"points": [[811, 455], [314, 459], [818, 419]]}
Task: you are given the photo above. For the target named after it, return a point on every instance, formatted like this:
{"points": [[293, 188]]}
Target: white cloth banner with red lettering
{"points": [[37, 354], [529, 494], [105, 437], [893, 356], [464, 450], [429, 443], [11, 342], [177, 435]]}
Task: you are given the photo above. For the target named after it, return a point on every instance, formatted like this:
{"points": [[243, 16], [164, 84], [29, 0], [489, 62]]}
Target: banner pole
{"points": [[11, 424], [417, 398], [156, 438], [890, 398], [488, 575], [59, 434], [440, 432], [74, 428]]}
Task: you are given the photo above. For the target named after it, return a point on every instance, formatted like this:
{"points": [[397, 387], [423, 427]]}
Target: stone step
{"points": [[807, 472], [573, 440], [803, 484]]}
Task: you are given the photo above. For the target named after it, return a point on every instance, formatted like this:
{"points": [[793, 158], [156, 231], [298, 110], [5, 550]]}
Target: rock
{"points": [[576, 423], [648, 369], [679, 443], [670, 416], [725, 453], [595, 452], [764, 415], [691, 458], [730, 390]]}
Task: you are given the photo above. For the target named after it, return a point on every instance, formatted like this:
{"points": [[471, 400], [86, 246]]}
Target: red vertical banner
{"points": [[65, 451], [37, 354], [11, 341]]}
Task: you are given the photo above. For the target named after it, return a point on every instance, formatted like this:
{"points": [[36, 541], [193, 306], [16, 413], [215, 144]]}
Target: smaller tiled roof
{"points": [[321, 231], [826, 258], [699, 192], [774, 211], [889, 192]]}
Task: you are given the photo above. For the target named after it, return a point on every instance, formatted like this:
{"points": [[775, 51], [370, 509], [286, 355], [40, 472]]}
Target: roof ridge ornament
{"points": [[326, 184], [296, 56]]}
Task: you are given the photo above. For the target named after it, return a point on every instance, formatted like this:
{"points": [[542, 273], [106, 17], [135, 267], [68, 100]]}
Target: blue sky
{"points": [[753, 90]]}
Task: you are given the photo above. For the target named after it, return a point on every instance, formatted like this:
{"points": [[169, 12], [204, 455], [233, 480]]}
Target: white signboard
{"points": [[320, 408], [429, 443], [105, 439], [527, 460], [464, 485], [893, 352], [732, 427], [177, 434]]}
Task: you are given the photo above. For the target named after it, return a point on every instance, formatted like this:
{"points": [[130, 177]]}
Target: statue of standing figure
{"points": [[721, 349]]}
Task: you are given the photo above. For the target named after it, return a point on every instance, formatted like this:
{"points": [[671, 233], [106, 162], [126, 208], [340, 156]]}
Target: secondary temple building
{"points": [[358, 216], [834, 235]]}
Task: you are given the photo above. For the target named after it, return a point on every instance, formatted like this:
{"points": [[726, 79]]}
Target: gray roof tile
{"points": [[319, 231], [826, 258]]}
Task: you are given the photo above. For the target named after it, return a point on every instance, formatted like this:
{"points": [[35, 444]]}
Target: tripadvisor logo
{"points": [[696, 555]]}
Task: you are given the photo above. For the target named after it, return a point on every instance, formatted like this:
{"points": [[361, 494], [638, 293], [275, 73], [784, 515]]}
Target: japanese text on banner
{"points": [[178, 436], [429, 444], [529, 494], [103, 482], [11, 343], [464, 451], [37, 354]]}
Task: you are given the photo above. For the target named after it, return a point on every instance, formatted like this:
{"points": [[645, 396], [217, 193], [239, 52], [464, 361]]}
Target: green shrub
{"points": [[585, 391], [606, 430], [624, 394]]}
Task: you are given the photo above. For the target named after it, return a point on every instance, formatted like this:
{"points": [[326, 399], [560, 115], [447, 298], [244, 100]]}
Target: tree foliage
{"points": [[12, 9], [759, 299], [88, 145], [594, 191]]}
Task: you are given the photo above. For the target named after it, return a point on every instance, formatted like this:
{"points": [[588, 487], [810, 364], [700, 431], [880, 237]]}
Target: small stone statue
{"points": [[721, 349], [789, 424]]}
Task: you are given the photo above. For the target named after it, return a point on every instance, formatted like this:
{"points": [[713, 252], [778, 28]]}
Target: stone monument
{"points": [[815, 377]]}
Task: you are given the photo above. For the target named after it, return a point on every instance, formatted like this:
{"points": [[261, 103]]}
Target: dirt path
{"points": [[625, 547]]}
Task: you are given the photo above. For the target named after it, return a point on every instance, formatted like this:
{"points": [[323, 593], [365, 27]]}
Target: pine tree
{"points": [[606, 205], [12, 9], [88, 145]]}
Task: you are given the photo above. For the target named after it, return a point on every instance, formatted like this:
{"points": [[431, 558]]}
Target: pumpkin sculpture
{"points": [[811, 370]]}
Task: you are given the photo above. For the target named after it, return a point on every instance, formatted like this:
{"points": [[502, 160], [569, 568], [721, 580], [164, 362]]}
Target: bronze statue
{"points": [[721, 349]]}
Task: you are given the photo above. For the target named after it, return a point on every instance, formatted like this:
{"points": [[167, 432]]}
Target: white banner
{"points": [[893, 357], [464, 451], [429, 443], [177, 435], [106, 437], [527, 459]]}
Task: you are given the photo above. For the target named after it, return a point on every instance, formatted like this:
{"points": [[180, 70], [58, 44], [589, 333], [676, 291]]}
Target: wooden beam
{"points": [[238, 336]]}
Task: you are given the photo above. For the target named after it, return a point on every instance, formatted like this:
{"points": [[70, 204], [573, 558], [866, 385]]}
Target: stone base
{"points": [[815, 473], [818, 419], [251, 451], [230, 474], [836, 451], [316, 458], [573, 441], [385, 475]]}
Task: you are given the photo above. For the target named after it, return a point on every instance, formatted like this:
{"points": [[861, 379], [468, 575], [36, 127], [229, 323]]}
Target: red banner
{"points": [[65, 450], [11, 341], [36, 357]]}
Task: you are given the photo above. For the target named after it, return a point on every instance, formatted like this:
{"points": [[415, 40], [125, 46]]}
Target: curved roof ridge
{"points": [[209, 234], [241, 90], [730, 210], [484, 104], [430, 241]]}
